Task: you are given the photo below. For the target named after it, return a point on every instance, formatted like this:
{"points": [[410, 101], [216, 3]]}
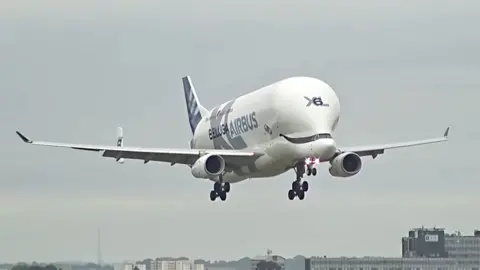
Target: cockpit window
{"points": [[300, 140]]}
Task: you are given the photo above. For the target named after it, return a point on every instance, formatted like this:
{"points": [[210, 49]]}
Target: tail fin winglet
{"points": [[194, 109], [119, 158], [119, 136]]}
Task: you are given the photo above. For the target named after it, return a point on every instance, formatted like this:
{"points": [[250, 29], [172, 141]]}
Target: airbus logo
{"points": [[317, 101]]}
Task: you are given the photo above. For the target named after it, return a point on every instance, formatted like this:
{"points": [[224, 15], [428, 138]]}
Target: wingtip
{"points": [[23, 137], [446, 132]]}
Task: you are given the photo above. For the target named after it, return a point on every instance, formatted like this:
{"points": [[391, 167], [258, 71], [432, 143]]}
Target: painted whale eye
{"points": [[267, 129]]}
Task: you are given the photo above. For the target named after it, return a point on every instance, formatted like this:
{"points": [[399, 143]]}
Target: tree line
{"points": [[34, 267]]}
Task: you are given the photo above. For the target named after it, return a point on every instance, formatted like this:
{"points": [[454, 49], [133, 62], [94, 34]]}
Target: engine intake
{"points": [[208, 166], [345, 165]]}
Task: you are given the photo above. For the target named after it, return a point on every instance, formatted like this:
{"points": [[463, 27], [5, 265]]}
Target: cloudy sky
{"points": [[74, 71]]}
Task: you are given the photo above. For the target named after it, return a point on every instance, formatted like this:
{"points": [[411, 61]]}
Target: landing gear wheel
{"points": [[223, 195], [305, 186], [291, 194], [217, 187], [299, 187], [296, 185], [213, 195], [226, 187], [301, 194], [314, 171]]}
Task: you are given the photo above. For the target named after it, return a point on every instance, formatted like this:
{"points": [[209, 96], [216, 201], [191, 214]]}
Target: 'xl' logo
{"points": [[317, 101]]}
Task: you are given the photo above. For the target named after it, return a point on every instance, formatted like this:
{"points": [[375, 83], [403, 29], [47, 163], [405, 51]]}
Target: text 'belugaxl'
{"points": [[235, 127]]}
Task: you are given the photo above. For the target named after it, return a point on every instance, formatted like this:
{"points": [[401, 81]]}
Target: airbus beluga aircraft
{"points": [[265, 133]]}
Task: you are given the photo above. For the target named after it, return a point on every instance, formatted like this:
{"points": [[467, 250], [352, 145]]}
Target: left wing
{"points": [[374, 150], [232, 158]]}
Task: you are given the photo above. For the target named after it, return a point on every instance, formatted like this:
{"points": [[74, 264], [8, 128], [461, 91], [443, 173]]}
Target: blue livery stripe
{"points": [[193, 110]]}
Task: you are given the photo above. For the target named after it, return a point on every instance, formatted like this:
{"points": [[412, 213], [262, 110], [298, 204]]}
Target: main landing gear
{"points": [[299, 187], [220, 189]]}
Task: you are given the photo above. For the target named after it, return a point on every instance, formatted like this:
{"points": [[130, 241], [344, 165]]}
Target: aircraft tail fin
{"points": [[194, 109]]}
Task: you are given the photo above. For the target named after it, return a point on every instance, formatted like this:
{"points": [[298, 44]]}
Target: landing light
{"points": [[312, 161]]}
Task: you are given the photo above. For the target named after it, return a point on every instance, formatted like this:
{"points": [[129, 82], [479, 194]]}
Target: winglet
{"points": [[23, 137], [446, 132]]}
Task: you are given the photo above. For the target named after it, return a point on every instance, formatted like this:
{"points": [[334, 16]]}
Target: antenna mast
{"points": [[99, 249]]}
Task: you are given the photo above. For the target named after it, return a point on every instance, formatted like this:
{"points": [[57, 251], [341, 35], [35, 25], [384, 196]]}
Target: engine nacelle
{"points": [[345, 165], [208, 166]]}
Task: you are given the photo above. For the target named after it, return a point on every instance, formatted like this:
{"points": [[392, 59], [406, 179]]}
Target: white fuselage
{"points": [[292, 107]]}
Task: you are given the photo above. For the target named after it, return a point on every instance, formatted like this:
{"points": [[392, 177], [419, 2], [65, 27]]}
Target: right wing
{"points": [[374, 150], [233, 158]]}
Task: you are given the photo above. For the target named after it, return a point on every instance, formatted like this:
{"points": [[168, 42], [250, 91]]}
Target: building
{"points": [[175, 265], [423, 242], [423, 248], [268, 262], [434, 243], [381, 263], [463, 247], [129, 266]]}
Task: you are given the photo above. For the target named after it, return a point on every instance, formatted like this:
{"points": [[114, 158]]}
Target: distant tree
{"points": [[50, 267], [264, 265], [146, 261], [20, 267], [33, 267], [107, 267], [92, 265]]}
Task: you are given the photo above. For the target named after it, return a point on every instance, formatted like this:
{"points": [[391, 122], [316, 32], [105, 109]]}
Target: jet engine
{"points": [[208, 166], [345, 165]]}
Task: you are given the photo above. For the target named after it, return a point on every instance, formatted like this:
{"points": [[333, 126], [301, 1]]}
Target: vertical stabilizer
{"points": [[195, 110]]}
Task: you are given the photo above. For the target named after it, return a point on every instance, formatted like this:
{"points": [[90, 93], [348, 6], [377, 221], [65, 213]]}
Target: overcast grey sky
{"points": [[73, 72]]}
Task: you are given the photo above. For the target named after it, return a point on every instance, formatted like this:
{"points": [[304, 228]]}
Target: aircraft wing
{"points": [[374, 150], [173, 156]]}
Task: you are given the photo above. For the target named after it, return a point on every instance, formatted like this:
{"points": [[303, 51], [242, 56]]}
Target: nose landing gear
{"points": [[311, 171], [310, 163]]}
